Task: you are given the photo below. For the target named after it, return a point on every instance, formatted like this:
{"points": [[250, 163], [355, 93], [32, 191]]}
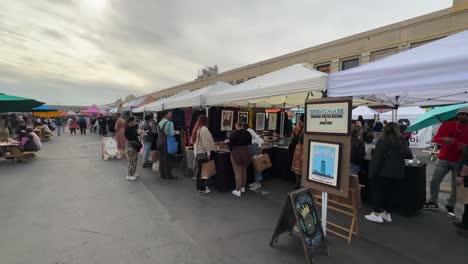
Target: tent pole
{"points": [[207, 108]]}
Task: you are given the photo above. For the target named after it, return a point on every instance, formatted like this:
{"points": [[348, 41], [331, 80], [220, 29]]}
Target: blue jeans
{"points": [[146, 151], [255, 150], [59, 130], [442, 167]]}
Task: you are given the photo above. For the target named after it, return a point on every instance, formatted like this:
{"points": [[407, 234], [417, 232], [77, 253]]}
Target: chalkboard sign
{"points": [[300, 208]]}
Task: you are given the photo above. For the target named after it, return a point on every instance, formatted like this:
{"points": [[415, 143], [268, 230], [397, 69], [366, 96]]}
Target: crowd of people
{"points": [[386, 166]]}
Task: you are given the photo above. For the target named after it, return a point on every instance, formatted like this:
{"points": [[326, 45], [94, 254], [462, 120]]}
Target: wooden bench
{"points": [[16, 154]]}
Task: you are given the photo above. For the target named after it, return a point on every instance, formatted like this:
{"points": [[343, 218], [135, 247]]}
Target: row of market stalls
{"points": [[430, 75]]}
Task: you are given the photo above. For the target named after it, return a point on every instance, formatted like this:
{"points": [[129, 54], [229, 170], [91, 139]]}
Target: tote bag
{"points": [[172, 144]]}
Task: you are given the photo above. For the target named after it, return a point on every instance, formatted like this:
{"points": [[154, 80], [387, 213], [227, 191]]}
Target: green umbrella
{"points": [[9, 103], [435, 116]]}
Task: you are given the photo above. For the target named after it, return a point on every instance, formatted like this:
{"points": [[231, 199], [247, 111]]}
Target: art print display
{"points": [[332, 117], [272, 121], [260, 121], [324, 162], [243, 115], [227, 120]]}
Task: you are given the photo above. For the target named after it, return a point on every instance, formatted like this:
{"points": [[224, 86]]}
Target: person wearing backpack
{"points": [[82, 124], [165, 130]]}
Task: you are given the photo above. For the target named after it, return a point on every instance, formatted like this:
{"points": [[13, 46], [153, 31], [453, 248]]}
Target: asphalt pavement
{"points": [[70, 206]]}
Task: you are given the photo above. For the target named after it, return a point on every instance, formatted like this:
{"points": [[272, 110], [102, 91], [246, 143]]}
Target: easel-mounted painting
{"points": [[324, 162]]}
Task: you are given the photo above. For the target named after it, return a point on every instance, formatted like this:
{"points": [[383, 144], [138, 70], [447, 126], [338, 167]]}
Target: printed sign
{"points": [[300, 209], [109, 148], [260, 121], [328, 117]]}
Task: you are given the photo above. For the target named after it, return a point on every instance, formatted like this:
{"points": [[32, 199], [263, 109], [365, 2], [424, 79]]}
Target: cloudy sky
{"points": [[84, 52]]}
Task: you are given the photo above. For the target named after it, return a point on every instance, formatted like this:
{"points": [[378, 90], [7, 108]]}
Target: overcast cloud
{"points": [[85, 52]]}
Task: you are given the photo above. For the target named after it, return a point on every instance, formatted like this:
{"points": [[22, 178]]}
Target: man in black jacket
{"points": [[463, 180]]}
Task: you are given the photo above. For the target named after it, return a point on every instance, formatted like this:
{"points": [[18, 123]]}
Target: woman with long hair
{"points": [[133, 147], [204, 148], [120, 134], [239, 142], [298, 138], [387, 166]]}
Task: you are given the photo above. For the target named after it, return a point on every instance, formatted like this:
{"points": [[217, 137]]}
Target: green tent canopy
{"points": [[10, 103]]}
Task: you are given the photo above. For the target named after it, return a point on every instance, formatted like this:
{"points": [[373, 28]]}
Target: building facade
{"points": [[351, 51]]}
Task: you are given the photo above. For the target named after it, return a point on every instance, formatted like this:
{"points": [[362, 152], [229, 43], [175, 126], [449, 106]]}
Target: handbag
{"points": [[208, 169], [261, 162], [136, 145], [172, 144]]}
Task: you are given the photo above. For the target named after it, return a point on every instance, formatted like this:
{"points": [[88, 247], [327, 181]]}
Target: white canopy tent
{"points": [[197, 97], [288, 86], [433, 74], [158, 105], [365, 112], [411, 113]]}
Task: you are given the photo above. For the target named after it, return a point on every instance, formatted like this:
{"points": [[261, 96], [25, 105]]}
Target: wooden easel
{"points": [[346, 206]]}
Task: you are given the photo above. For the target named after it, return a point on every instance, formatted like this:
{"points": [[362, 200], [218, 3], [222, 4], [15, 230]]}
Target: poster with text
{"points": [[324, 162], [328, 117]]}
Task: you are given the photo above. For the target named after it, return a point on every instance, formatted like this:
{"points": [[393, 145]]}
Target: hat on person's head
{"points": [[463, 110]]}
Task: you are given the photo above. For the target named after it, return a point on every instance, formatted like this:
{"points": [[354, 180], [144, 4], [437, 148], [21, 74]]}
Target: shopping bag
{"points": [[261, 162], [208, 169], [462, 194], [154, 156], [156, 166]]}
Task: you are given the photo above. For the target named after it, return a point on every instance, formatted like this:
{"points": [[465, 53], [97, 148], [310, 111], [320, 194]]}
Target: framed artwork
{"points": [[324, 162], [260, 121], [244, 115], [272, 121], [330, 117], [227, 120]]}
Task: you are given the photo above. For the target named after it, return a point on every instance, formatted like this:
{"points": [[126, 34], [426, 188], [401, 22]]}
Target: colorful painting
{"points": [[324, 162], [260, 121], [227, 120], [244, 115]]}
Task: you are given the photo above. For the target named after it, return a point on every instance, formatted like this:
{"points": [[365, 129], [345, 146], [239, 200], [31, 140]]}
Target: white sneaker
{"points": [[252, 184], [374, 218], [132, 178], [243, 189], [236, 193], [128, 177], [386, 216], [255, 186]]}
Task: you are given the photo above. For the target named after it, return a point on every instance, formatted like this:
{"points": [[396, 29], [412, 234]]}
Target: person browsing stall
{"points": [[453, 137], [133, 147], [387, 166], [255, 149], [239, 142], [204, 149], [165, 129]]}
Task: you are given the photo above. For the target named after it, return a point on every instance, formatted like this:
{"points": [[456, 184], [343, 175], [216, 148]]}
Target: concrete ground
{"points": [[70, 206]]}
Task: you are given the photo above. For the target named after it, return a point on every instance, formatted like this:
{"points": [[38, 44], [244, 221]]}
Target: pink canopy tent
{"points": [[93, 110]]}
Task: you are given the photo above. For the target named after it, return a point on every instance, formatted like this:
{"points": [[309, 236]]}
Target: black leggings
{"points": [[73, 131], [83, 130], [381, 193]]}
